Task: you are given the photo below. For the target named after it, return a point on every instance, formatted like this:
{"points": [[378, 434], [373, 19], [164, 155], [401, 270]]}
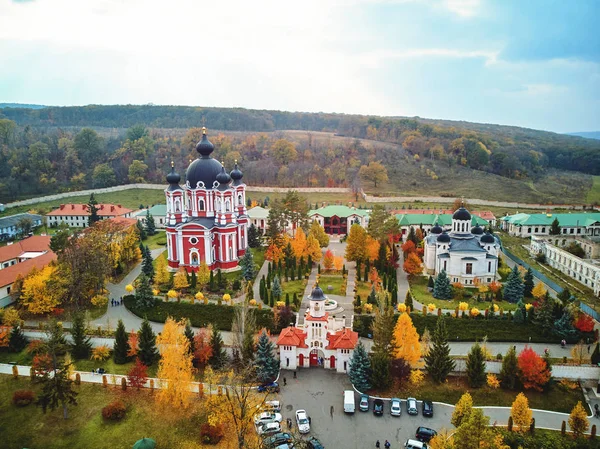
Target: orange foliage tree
{"points": [[413, 265], [328, 260], [4, 336], [338, 262], [584, 323], [533, 371], [371, 248], [495, 286], [408, 247], [133, 344], [137, 375], [203, 350]]}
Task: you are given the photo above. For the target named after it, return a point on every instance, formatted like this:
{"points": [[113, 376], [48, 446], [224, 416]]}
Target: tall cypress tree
{"points": [[82, 344], [476, 366], [121, 346], [219, 356], [147, 265], [359, 370], [93, 210], [513, 289], [265, 364], [441, 286], [149, 224], [408, 300], [438, 362], [528, 284], [211, 282], [147, 352]]}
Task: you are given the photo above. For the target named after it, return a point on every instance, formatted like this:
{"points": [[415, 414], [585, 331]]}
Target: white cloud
{"points": [[463, 8], [377, 57]]}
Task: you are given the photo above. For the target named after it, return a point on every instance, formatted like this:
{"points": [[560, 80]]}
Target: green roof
{"points": [[576, 219], [431, 219], [158, 210], [338, 211]]}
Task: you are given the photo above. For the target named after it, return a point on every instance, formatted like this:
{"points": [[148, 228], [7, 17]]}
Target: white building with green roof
{"points": [[571, 224], [158, 212], [339, 219]]}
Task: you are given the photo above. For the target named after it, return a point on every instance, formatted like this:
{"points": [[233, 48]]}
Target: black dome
{"points": [[443, 238], [477, 230], [204, 170], [173, 177], [223, 178], [488, 238], [236, 174], [317, 294], [437, 229], [204, 147], [461, 214]]}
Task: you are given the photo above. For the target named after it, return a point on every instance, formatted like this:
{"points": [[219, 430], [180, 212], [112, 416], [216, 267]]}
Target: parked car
{"points": [[268, 428], [427, 409], [272, 387], [425, 434], [395, 409], [349, 401], [378, 407], [364, 403], [274, 406], [414, 444], [313, 443], [277, 440], [411, 406], [267, 417], [302, 421]]}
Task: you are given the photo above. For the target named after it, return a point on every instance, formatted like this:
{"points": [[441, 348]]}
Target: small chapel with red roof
{"points": [[322, 340]]}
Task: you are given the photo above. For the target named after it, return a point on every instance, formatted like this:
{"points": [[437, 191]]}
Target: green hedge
{"points": [[468, 329], [200, 315]]}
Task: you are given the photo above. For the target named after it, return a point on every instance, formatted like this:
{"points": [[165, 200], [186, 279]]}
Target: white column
{"points": [[179, 238], [207, 250]]}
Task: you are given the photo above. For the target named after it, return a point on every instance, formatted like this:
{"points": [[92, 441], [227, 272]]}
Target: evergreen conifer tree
{"points": [[476, 367], [513, 289], [121, 346], [430, 282], [299, 274], [247, 264], [441, 286], [262, 290], [412, 236], [271, 299], [93, 210], [147, 266], [144, 297], [147, 352], [269, 282], [82, 345], [372, 299], [287, 299], [253, 236], [564, 296], [408, 301], [221, 281], [596, 355], [555, 227], [141, 230], [380, 371], [265, 363], [219, 356], [149, 224], [276, 290], [438, 362], [528, 284], [211, 282], [17, 339], [189, 334], [563, 327], [510, 369], [543, 316], [520, 313], [366, 274], [359, 370], [296, 302], [358, 270], [193, 280]]}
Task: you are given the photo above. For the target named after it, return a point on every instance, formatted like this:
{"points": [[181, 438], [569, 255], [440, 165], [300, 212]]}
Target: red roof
{"points": [[36, 243], [344, 339], [309, 317], [8, 275], [292, 336], [104, 210]]}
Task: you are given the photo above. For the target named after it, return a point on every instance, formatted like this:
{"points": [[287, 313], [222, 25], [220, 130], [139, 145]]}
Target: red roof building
{"points": [[29, 248], [10, 274], [76, 215]]}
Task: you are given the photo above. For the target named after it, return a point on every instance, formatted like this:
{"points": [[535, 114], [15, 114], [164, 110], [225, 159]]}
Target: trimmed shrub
{"points": [[211, 434], [115, 411], [22, 398], [123, 383]]}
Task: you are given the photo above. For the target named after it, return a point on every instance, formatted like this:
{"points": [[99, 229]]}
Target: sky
{"points": [[530, 63]]}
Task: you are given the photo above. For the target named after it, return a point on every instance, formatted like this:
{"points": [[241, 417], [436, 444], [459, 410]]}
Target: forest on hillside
{"points": [[70, 148]]}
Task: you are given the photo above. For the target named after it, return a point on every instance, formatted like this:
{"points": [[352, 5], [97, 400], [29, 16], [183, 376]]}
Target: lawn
{"points": [[29, 427], [593, 196], [335, 282], [557, 399], [418, 287], [259, 257], [158, 240], [291, 287]]}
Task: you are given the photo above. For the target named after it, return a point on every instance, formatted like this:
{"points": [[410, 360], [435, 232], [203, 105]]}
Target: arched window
{"points": [[218, 204], [227, 205], [177, 205], [194, 258], [240, 203], [200, 204]]}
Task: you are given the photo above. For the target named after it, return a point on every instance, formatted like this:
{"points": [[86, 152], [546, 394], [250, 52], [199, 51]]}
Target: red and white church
{"points": [[206, 219]]}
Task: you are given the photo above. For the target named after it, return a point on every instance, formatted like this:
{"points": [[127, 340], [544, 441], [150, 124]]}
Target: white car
{"points": [[395, 409], [273, 406], [302, 421], [268, 428], [268, 417]]}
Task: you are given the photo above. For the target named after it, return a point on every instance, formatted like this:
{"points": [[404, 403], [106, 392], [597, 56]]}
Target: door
{"points": [[301, 360], [314, 358], [332, 362]]}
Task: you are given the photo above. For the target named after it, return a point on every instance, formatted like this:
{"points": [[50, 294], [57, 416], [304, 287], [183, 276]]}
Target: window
{"points": [[528, 230], [572, 231], [193, 240], [469, 268], [8, 290], [201, 204], [489, 266], [537, 230], [489, 279], [445, 262], [240, 203]]}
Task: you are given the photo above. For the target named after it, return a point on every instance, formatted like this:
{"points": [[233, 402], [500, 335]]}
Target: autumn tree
{"points": [[180, 280], [338, 263], [137, 376], [539, 292], [328, 260], [578, 421], [203, 350], [463, 408], [243, 332], [406, 340], [313, 249], [375, 172], [42, 291], [317, 231], [203, 275], [283, 151], [356, 243], [413, 265], [520, 412], [175, 367], [372, 247], [295, 210], [299, 244], [132, 340], [533, 371], [161, 274], [475, 432]]}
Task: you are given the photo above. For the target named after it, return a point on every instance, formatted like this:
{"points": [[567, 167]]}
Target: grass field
{"points": [[593, 195], [335, 282], [29, 427]]}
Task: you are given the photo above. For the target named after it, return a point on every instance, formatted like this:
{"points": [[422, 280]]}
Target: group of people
{"points": [[116, 302], [386, 445]]}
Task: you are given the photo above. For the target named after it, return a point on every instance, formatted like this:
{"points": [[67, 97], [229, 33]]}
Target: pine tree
{"points": [[17, 341], [359, 370], [211, 282], [563, 327], [247, 264], [441, 286], [564, 296], [476, 366], [265, 364], [430, 282], [82, 345], [93, 210], [438, 362], [528, 284], [555, 227], [144, 297], [149, 224], [262, 290], [254, 237], [513, 289], [189, 334], [141, 230], [121, 346], [372, 299], [408, 301], [287, 299], [147, 265], [219, 356], [510, 369], [276, 290], [596, 355], [147, 352], [380, 371], [520, 313]]}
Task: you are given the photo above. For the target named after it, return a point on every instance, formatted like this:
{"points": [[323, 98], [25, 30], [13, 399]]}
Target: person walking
{"points": [[331, 411], [387, 444], [284, 381], [289, 423], [294, 374], [377, 445]]}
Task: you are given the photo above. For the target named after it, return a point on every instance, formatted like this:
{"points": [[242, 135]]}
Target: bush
{"points": [[22, 398], [211, 434], [161, 242], [115, 411]]}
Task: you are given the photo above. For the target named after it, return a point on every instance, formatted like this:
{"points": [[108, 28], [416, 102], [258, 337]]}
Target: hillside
{"points": [[22, 106], [587, 135]]}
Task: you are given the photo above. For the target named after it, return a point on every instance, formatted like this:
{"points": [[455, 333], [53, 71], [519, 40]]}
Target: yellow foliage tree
{"points": [[100, 353], [328, 260], [463, 409], [40, 294], [406, 340], [416, 378], [443, 440], [317, 231], [539, 291], [175, 367], [356, 243], [338, 263], [520, 412], [578, 421], [161, 273], [300, 244], [313, 249], [11, 317], [203, 275], [371, 248], [180, 280]]}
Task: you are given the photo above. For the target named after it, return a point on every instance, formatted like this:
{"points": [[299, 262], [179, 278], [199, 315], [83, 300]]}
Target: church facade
{"points": [[206, 219], [466, 253], [322, 340]]}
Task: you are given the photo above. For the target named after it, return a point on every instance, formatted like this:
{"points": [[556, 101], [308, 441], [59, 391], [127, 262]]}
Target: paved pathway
{"points": [[511, 263], [256, 287]]}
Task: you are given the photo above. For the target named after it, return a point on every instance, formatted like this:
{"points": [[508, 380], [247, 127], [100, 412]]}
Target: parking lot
{"points": [[317, 389]]}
